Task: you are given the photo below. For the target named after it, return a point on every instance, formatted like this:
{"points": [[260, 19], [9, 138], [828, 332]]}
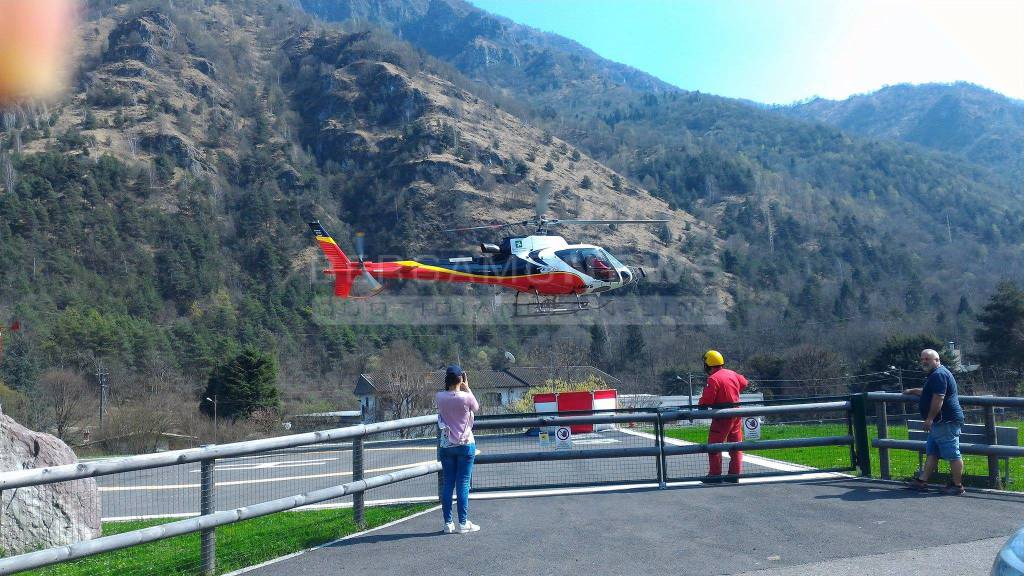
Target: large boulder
{"points": [[39, 517]]}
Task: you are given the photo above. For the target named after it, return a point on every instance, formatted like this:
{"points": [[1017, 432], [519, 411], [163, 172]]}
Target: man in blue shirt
{"points": [[943, 417]]}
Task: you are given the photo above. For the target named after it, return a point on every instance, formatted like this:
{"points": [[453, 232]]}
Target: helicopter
{"points": [[549, 275]]}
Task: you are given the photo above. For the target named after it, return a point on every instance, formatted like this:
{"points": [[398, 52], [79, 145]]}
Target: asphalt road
{"points": [[243, 481], [842, 526]]}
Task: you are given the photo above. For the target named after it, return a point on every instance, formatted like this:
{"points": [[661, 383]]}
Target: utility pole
{"points": [[101, 378]]}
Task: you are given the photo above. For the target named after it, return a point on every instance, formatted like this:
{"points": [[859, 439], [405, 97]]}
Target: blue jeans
{"points": [[456, 470]]}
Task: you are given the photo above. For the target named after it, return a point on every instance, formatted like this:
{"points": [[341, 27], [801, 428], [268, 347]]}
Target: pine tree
{"points": [[598, 345], [1002, 330], [246, 383], [965, 306], [634, 346]]}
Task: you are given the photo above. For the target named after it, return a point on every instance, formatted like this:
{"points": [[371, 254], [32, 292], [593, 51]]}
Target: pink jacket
{"points": [[455, 410]]}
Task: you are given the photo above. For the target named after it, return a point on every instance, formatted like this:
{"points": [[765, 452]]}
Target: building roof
{"points": [[515, 377]]}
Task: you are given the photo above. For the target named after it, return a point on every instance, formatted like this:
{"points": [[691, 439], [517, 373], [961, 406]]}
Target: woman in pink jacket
{"points": [[457, 450]]}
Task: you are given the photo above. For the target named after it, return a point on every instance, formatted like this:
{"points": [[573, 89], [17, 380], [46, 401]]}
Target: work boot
{"points": [[712, 480]]}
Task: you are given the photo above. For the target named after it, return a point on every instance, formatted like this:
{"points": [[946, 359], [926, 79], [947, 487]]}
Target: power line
{"points": [[822, 379]]}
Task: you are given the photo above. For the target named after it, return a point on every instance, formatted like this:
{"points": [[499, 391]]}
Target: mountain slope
{"points": [[483, 45], [154, 219], [981, 125], [816, 222]]}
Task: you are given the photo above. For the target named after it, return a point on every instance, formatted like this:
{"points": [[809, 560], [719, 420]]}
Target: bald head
{"points": [[929, 360]]}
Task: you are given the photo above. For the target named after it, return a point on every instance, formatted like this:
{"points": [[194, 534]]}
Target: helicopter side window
{"points": [[589, 261]]}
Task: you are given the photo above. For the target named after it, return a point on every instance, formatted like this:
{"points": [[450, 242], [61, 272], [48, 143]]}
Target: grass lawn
{"points": [[238, 545], [902, 463]]}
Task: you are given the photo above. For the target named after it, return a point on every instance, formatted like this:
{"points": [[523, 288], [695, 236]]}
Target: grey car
{"points": [[1010, 560]]}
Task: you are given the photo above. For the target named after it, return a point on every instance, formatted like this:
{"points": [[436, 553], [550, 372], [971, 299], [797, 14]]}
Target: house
{"points": [[382, 397]]}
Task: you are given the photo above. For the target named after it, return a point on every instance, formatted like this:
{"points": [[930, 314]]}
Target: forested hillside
{"points": [[968, 120], [152, 221]]}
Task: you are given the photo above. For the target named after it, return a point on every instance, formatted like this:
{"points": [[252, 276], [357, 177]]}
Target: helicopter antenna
{"points": [[543, 199], [541, 207]]}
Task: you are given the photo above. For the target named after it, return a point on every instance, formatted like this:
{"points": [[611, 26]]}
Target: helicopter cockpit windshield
{"points": [[593, 262]]}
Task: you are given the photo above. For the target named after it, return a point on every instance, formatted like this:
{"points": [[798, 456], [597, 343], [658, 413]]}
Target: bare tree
{"points": [[66, 401], [405, 383]]}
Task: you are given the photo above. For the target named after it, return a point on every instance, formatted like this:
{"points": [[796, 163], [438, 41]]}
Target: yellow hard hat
{"points": [[713, 358]]}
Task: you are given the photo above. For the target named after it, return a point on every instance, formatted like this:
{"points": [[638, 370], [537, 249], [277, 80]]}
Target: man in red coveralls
{"points": [[724, 387]]}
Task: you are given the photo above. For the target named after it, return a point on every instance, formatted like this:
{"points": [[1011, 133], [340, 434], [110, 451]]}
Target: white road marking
{"points": [[747, 458], [589, 441], [260, 481], [350, 536], [324, 452], [265, 465], [533, 493]]}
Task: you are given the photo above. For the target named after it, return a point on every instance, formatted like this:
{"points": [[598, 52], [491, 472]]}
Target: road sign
{"points": [[563, 438], [752, 428]]}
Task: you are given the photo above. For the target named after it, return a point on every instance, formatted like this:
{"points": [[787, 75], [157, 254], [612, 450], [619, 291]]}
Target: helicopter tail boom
{"points": [[335, 256]]}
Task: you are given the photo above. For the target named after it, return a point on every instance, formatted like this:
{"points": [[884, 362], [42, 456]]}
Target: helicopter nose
{"points": [[633, 275]]}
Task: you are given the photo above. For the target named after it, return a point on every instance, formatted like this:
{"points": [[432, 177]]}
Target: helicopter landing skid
{"points": [[553, 305]]}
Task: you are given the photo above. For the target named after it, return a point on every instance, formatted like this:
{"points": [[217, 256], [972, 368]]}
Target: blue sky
{"points": [[779, 51]]}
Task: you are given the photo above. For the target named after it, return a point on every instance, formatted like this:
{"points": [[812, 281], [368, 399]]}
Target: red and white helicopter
{"points": [[553, 276]]}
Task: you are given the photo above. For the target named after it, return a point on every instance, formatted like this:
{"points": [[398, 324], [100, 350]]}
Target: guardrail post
{"points": [[881, 412], [207, 505], [858, 404], [440, 471], [990, 437], [358, 499], [659, 442]]}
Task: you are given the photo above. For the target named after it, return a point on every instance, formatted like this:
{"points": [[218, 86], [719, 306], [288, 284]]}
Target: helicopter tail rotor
{"points": [[365, 284]]}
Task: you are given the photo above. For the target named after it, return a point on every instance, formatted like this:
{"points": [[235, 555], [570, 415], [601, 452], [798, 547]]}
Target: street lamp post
{"points": [[214, 401], [689, 383]]}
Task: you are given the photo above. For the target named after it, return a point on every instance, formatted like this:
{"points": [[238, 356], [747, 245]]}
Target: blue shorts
{"points": [[944, 440]]}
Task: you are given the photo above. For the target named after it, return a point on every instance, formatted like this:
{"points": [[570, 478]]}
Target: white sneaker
{"points": [[449, 528], [468, 527]]}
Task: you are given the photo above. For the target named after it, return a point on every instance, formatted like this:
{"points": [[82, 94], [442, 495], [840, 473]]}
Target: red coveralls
{"points": [[724, 387]]}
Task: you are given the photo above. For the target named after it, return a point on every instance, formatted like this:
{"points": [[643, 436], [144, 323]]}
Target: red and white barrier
{"points": [[578, 401], [605, 400], [545, 403]]}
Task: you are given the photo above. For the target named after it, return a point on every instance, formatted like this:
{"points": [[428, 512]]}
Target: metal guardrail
{"points": [[650, 461], [37, 476], [660, 451], [208, 519], [990, 448], [206, 522], [1003, 401]]}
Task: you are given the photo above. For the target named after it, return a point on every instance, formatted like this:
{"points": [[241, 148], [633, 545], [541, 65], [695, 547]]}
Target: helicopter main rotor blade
{"points": [[493, 226], [593, 222], [487, 227]]}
